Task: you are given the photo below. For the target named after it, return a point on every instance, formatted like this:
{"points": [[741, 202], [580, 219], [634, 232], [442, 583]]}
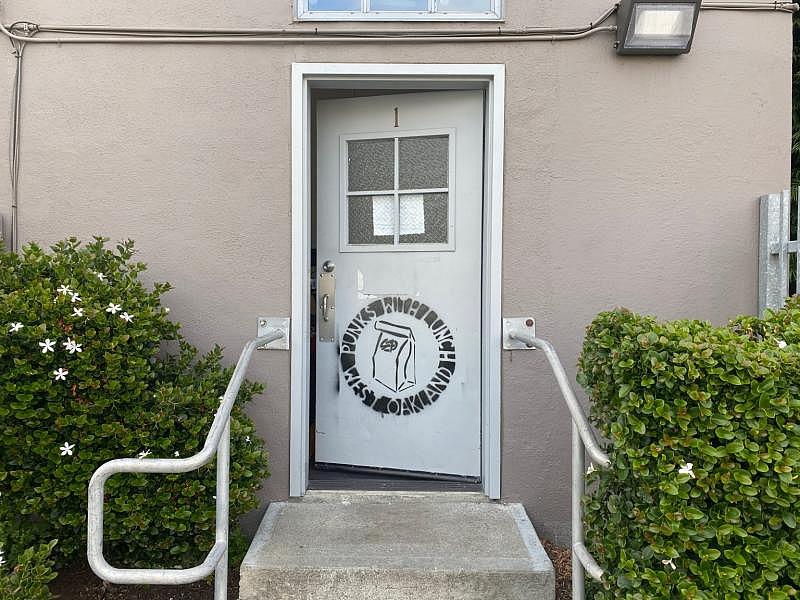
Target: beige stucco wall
{"points": [[628, 181]]}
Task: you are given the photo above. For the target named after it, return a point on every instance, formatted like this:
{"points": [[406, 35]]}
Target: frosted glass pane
{"points": [[424, 219], [323, 5], [370, 165], [465, 5], [399, 5], [370, 220], [424, 162]]}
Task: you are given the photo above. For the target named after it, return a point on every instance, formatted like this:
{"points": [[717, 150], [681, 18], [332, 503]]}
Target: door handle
{"points": [[325, 305]]}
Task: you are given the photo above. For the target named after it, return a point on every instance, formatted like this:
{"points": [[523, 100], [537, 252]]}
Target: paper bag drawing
{"points": [[393, 362]]}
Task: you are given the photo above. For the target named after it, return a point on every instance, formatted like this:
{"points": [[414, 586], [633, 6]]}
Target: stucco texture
{"points": [[627, 182]]}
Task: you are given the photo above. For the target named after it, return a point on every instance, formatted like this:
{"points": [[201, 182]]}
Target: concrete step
{"points": [[396, 546]]}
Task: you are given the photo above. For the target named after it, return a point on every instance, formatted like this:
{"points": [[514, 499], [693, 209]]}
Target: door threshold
{"points": [[357, 470], [349, 478], [391, 485]]}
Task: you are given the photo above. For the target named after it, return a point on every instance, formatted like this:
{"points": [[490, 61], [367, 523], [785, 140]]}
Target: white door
{"points": [[399, 214]]}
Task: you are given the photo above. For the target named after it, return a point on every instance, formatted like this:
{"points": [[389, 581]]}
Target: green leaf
{"points": [[710, 554], [692, 513]]}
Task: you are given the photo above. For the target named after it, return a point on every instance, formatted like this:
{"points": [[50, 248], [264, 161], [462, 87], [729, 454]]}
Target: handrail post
{"points": [[223, 493], [577, 513]]}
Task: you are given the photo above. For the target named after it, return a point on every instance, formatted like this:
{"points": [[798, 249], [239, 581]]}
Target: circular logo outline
{"points": [[430, 392]]}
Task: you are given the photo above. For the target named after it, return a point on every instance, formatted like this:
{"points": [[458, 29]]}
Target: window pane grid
{"points": [[399, 216], [401, 8]]}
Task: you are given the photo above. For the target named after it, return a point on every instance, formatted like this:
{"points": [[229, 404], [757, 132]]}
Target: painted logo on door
{"points": [[394, 359], [398, 355]]}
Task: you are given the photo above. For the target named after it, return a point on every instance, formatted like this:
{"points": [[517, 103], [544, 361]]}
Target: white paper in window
{"points": [[412, 214], [382, 215]]}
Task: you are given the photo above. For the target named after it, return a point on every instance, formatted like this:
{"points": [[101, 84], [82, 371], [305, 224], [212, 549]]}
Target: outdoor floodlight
{"points": [[656, 26]]}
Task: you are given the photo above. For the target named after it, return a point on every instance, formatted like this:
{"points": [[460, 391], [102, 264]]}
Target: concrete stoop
{"points": [[385, 546]]}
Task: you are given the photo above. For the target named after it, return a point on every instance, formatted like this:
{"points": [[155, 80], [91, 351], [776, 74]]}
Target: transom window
{"points": [[400, 10], [397, 193]]}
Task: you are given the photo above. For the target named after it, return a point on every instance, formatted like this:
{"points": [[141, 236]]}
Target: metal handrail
{"points": [[583, 441], [217, 441]]}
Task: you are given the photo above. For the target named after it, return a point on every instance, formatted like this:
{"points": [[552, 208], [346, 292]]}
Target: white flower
{"points": [[126, 317], [15, 327], [247, 439], [72, 346], [177, 454], [47, 346], [166, 309], [668, 562], [100, 276], [76, 297], [782, 344], [77, 311], [66, 449], [687, 470], [144, 454], [113, 308], [2, 560], [60, 374], [64, 290], [591, 469]]}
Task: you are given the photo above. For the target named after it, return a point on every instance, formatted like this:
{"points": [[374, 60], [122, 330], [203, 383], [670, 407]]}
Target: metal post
{"points": [[773, 251], [577, 512], [16, 111], [223, 490]]}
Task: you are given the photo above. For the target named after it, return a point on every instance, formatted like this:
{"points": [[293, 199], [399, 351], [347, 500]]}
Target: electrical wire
{"points": [[790, 7], [328, 38]]}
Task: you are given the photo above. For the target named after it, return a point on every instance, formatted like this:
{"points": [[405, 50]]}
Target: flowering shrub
{"points": [[27, 579], [84, 379], [703, 497]]}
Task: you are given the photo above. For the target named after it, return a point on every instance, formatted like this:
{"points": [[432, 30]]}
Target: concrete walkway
{"points": [[391, 546]]}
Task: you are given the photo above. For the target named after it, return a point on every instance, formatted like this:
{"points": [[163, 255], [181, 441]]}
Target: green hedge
{"points": [[28, 576], [85, 377], [703, 497]]}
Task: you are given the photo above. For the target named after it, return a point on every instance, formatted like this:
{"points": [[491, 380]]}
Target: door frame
{"points": [[488, 77]]}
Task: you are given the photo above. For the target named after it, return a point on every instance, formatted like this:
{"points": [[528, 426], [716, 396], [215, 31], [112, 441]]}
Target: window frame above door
{"points": [[304, 13]]}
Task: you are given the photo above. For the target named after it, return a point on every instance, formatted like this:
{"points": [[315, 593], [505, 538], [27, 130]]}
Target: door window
{"points": [[398, 193]]}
